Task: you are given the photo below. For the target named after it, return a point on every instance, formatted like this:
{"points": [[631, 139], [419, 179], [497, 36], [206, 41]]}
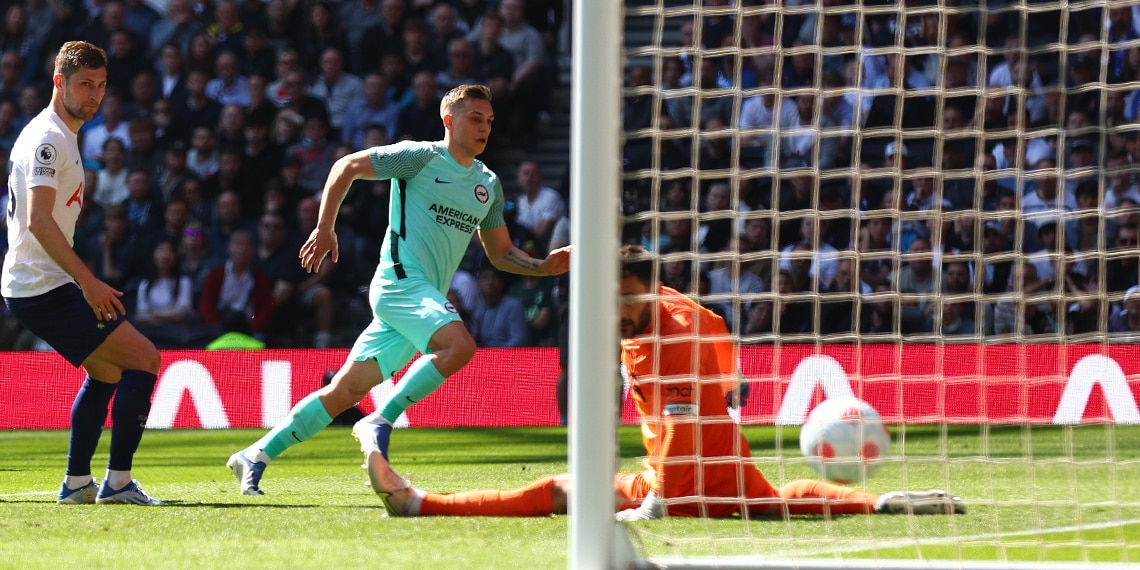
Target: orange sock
{"points": [[534, 500], [836, 499]]}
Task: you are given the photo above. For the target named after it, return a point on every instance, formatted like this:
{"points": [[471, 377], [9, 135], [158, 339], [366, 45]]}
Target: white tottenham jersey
{"points": [[45, 154]]}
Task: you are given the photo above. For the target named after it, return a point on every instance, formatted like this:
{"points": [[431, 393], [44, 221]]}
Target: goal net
{"points": [[931, 206]]}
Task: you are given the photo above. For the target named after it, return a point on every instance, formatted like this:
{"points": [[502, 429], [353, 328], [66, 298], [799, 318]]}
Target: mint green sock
{"points": [[421, 379], [305, 419]]}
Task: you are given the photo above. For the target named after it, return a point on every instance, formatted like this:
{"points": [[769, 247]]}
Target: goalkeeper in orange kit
{"points": [[681, 363]]}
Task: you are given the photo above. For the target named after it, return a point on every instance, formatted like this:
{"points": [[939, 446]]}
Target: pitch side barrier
{"points": [[913, 384]]}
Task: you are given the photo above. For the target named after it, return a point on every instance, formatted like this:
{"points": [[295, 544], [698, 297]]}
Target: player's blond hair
{"points": [[460, 95], [75, 55]]}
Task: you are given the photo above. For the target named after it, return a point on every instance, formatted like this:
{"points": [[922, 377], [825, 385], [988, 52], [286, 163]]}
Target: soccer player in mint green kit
{"points": [[440, 196]]}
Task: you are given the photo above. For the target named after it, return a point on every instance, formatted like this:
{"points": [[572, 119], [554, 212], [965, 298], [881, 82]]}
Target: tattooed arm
{"points": [[505, 256]]}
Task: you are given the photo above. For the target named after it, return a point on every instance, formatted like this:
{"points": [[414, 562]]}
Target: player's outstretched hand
{"points": [[558, 262], [319, 244], [104, 300]]}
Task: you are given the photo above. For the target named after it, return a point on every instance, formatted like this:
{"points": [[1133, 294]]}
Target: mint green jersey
{"points": [[435, 206]]}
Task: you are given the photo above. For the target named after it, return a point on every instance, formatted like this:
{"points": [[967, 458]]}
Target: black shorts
{"points": [[63, 319]]}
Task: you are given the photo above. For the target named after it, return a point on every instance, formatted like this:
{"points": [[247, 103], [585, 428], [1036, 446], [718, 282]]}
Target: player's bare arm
{"points": [[505, 256], [103, 298], [323, 241]]}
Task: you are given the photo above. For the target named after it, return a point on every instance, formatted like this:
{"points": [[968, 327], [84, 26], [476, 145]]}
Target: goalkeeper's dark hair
{"points": [[75, 55], [637, 262]]}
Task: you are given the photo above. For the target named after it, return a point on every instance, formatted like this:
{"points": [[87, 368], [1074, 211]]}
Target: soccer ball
{"points": [[844, 440]]}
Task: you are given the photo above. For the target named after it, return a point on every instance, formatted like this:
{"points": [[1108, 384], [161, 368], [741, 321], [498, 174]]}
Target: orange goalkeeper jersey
{"points": [[680, 370]]}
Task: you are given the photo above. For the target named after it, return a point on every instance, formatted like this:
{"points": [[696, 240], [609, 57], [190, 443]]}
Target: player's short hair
{"points": [[75, 55], [637, 262], [459, 95]]}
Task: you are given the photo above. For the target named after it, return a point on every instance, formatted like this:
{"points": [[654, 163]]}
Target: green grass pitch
{"points": [[1033, 494]]}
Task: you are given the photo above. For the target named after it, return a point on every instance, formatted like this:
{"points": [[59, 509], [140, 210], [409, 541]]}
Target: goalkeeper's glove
{"points": [[652, 508]]}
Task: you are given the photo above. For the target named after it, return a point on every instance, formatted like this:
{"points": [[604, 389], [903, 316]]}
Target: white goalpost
{"points": [[932, 205]]}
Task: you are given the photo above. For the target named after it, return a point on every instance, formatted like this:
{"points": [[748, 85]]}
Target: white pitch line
{"points": [[27, 494], [968, 538]]}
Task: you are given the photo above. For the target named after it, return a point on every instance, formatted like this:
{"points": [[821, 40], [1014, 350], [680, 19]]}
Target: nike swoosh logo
{"points": [[438, 181], [294, 434], [409, 398]]}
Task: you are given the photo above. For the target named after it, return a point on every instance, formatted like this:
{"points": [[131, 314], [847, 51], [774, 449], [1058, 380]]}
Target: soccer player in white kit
{"points": [[56, 297]]}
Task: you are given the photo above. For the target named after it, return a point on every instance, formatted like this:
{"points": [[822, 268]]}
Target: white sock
{"points": [[117, 479], [255, 455], [416, 502], [74, 482]]}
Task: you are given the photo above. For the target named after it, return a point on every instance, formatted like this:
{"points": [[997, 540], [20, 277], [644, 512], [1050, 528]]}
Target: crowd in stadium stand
{"points": [[989, 189], [220, 124]]}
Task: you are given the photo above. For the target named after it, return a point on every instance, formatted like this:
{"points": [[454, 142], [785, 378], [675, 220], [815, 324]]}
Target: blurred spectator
{"points": [[460, 66], [539, 207], [493, 63], [335, 88], [316, 153], [228, 219], [1021, 315], [393, 67], [227, 30], [143, 207], [299, 101], [733, 287], [200, 57], [195, 257], [794, 316], [837, 308], [11, 71], [230, 130], [202, 158], [385, 37], [1119, 182], [416, 55], [445, 29], [260, 156], [953, 320], [198, 208], [502, 321], [111, 185], [197, 110], [801, 137], [712, 105], [356, 16], [233, 177], [420, 120], [166, 133], [288, 60], [112, 126], [282, 27], [1122, 267], [98, 29], [759, 111], [1127, 318], [165, 310], [538, 300], [258, 57], [877, 261], [915, 281], [996, 274], [114, 254], [1044, 197], [178, 27], [174, 171], [125, 59], [175, 216], [144, 151], [372, 108], [322, 32], [236, 296], [824, 257], [228, 86], [261, 108]]}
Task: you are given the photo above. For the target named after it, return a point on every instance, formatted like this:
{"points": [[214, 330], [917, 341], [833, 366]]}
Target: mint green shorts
{"points": [[405, 315]]}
